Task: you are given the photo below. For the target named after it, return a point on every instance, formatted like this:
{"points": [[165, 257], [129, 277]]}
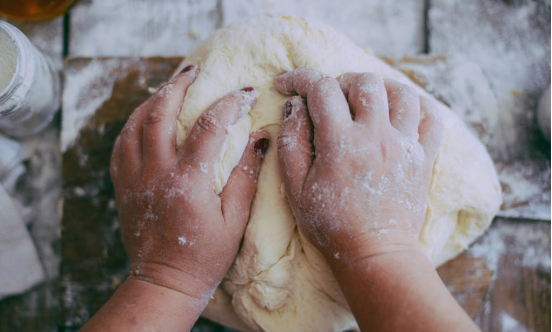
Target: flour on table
{"points": [[279, 282]]}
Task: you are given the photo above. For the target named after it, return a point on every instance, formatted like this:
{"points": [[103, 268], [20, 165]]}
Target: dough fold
{"points": [[279, 282]]}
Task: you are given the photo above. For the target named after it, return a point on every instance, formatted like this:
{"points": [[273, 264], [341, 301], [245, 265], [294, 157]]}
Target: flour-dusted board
{"points": [[99, 96]]}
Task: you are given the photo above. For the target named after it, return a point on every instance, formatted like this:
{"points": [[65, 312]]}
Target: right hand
{"points": [[357, 165]]}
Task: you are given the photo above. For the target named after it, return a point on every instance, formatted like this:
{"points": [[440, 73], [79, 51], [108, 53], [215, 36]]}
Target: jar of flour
{"points": [[29, 87]]}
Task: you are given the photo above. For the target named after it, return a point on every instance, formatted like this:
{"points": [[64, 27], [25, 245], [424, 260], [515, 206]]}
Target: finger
{"points": [[237, 195], [205, 141], [295, 148], [327, 106], [404, 107], [130, 145], [298, 81], [367, 98], [431, 129], [159, 143]]}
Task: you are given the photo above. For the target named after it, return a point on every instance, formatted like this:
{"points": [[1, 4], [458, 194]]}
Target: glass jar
{"points": [[31, 94], [30, 10]]}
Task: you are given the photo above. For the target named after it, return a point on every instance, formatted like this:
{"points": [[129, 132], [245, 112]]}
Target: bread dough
{"points": [[279, 282]]}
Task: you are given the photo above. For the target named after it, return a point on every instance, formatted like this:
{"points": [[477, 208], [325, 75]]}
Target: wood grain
{"points": [[519, 296], [467, 279]]}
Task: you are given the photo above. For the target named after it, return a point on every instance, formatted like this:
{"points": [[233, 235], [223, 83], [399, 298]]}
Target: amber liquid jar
{"points": [[33, 10]]}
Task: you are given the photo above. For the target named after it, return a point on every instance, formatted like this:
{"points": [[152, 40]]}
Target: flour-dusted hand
{"points": [[357, 176], [178, 233], [357, 168]]}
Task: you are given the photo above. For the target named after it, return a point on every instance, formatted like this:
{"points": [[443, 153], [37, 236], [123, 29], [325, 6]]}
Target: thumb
{"points": [[238, 193]]}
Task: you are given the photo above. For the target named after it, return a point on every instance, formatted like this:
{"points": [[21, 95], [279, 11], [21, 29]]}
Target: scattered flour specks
{"points": [[527, 244], [509, 324], [85, 91]]}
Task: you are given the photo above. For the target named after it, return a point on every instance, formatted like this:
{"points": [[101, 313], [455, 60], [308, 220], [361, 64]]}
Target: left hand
{"points": [[178, 233]]}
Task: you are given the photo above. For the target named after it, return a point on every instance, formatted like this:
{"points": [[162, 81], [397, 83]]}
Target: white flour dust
{"points": [[529, 246], [8, 61]]}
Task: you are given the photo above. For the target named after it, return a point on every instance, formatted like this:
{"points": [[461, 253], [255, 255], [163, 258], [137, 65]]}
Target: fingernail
{"points": [[288, 108], [248, 89], [187, 69], [260, 146]]}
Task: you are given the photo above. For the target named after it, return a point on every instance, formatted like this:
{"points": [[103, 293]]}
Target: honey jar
{"points": [[31, 10]]}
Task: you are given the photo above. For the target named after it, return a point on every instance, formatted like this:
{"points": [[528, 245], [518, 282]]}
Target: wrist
{"points": [[168, 277], [363, 254]]}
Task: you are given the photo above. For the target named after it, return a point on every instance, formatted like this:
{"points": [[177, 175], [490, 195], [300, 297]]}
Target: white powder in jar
{"points": [[8, 61]]}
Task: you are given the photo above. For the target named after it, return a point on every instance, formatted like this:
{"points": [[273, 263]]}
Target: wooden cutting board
{"points": [[99, 96]]}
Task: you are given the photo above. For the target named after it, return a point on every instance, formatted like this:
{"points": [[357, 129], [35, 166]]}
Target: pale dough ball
{"points": [[543, 113], [279, 282]]}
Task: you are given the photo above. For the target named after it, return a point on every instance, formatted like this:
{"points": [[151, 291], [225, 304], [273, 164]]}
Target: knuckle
{"points": [[154, 117], [369, 78], [209, 123], [320, 87], [287, 140], [127, 142]]}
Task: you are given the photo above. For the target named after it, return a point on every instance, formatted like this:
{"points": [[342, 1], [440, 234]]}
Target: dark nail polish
{"points": [[261, 145], [248, 89], [288, 108], [187, 69]]}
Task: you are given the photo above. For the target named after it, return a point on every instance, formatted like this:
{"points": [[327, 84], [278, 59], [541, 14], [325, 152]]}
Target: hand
{"points": [[357, 177], [178, 233]]}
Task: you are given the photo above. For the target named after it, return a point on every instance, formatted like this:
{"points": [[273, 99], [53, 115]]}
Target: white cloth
{"points": [[20, 266]]}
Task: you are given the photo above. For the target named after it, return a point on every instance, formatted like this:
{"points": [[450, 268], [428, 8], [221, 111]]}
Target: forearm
{"points": [[139, 305], [400, 291]]}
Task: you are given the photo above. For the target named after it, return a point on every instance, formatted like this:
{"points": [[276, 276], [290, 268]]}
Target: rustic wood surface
{"points": [[490, 34]]}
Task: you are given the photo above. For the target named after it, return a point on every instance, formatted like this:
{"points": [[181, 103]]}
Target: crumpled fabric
{"points": [[20, 266]]}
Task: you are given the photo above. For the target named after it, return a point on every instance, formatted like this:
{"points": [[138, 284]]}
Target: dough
{"points": [[279, 282]]}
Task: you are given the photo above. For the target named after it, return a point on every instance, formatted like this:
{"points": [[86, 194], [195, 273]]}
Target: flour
{"points": [[33, 98], [86, 90], [157, 28], [8, 61], [509, 324], [526, 243], [78, 105], [526, 189], [512, 48]]}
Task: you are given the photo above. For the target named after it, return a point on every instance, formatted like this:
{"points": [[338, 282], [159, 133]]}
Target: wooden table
{"points": [[505, 43]]}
